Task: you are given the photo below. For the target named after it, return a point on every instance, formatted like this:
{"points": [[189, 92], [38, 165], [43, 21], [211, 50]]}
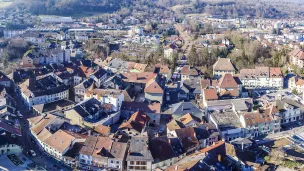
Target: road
{"points": [[26, 140], [185, 36]]}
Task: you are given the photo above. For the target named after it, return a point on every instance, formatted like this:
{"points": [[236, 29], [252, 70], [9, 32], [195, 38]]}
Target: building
{"points": [[41, 90], [223, 66], [118, 156], [289, 110], [139, 156], [296, 57], [188, 72], [60, 142], [262, 78], [229, 86], [162, 152], [107, 96], [170, 51], [262, 122], [136, 125], [80, 89], [154, 91], [91, 113], [95, 152]]}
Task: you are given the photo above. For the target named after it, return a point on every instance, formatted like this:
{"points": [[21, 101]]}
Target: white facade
{"points": [[115, 100], [263, 82]]}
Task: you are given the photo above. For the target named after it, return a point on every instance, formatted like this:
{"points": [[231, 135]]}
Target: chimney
{"points": [[176, 167]]}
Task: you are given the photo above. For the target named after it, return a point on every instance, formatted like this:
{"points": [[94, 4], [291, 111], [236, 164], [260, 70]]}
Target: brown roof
{"points": [[300, 82], [118, 150], [187, 136], [43, 123], [153, 87], [233, 93], [223, 64], [205, 83], [44, 134], [140, 67], [185, 119], [89, 145], [265, 116], [210, 94], [227, 81], [60, 140], [143, 77], [103, 130], [102, 146], [187, 70], [297, 53], [174, 124], [137, 121], [275, 73]]}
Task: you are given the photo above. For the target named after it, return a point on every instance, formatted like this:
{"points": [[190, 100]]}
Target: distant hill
{"points": [[227, 8]]}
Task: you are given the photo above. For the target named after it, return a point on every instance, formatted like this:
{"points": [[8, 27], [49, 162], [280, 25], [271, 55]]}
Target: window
{"points": [[117, 162], [131, 167], [132, 162], [137, 167], [112, 161], [137, 162], [143, 163]]}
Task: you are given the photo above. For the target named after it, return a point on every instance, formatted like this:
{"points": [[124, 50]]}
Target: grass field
{"points": [[5, 4]]}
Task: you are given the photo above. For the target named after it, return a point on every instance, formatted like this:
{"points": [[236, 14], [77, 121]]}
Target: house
{"points": [[99, 77], [223, 66], [118, 156], [188, 72], [5, 81], [43, 126], [57, 106], [108, 96], [189, 120], [179, 109], [289, 110], [136, 125], [41, 90], [170, 51], [103, 130], [139, 156], [225, 115], [80, 89], [188, 139], [262, 77], [192, 87], [95, 152], [174, 125], [162, 152], [153, 110], [91, 113], [163, 70], [60, 142], [153, 91], [209, 94], [261, 122], [229, 86], [296, 58]]}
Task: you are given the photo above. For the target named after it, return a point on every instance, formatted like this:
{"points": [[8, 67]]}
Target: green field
{"points": [[5, 4]]}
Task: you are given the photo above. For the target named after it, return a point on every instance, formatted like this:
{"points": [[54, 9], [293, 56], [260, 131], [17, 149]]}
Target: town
{"points": [[151, 92]]}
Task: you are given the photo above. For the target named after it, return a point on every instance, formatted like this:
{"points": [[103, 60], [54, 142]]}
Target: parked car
{"points": [[33, 153], [13, 136]]}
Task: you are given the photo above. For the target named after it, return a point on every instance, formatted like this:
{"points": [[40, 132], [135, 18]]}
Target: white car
{"points": [[32, 153]]}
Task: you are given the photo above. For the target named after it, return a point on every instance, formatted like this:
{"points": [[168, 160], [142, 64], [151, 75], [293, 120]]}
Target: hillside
{"points": [[225, 8]]}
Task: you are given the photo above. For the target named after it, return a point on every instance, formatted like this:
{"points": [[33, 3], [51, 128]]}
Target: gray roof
{"points": [[183, 108], [139, 150]]}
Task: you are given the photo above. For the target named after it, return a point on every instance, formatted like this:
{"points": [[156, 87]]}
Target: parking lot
{"points": [[16, 162]]}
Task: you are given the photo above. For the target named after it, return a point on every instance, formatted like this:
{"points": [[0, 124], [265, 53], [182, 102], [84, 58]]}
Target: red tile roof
{"points": [[210, 94], [153, 87], [227, 81]]}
